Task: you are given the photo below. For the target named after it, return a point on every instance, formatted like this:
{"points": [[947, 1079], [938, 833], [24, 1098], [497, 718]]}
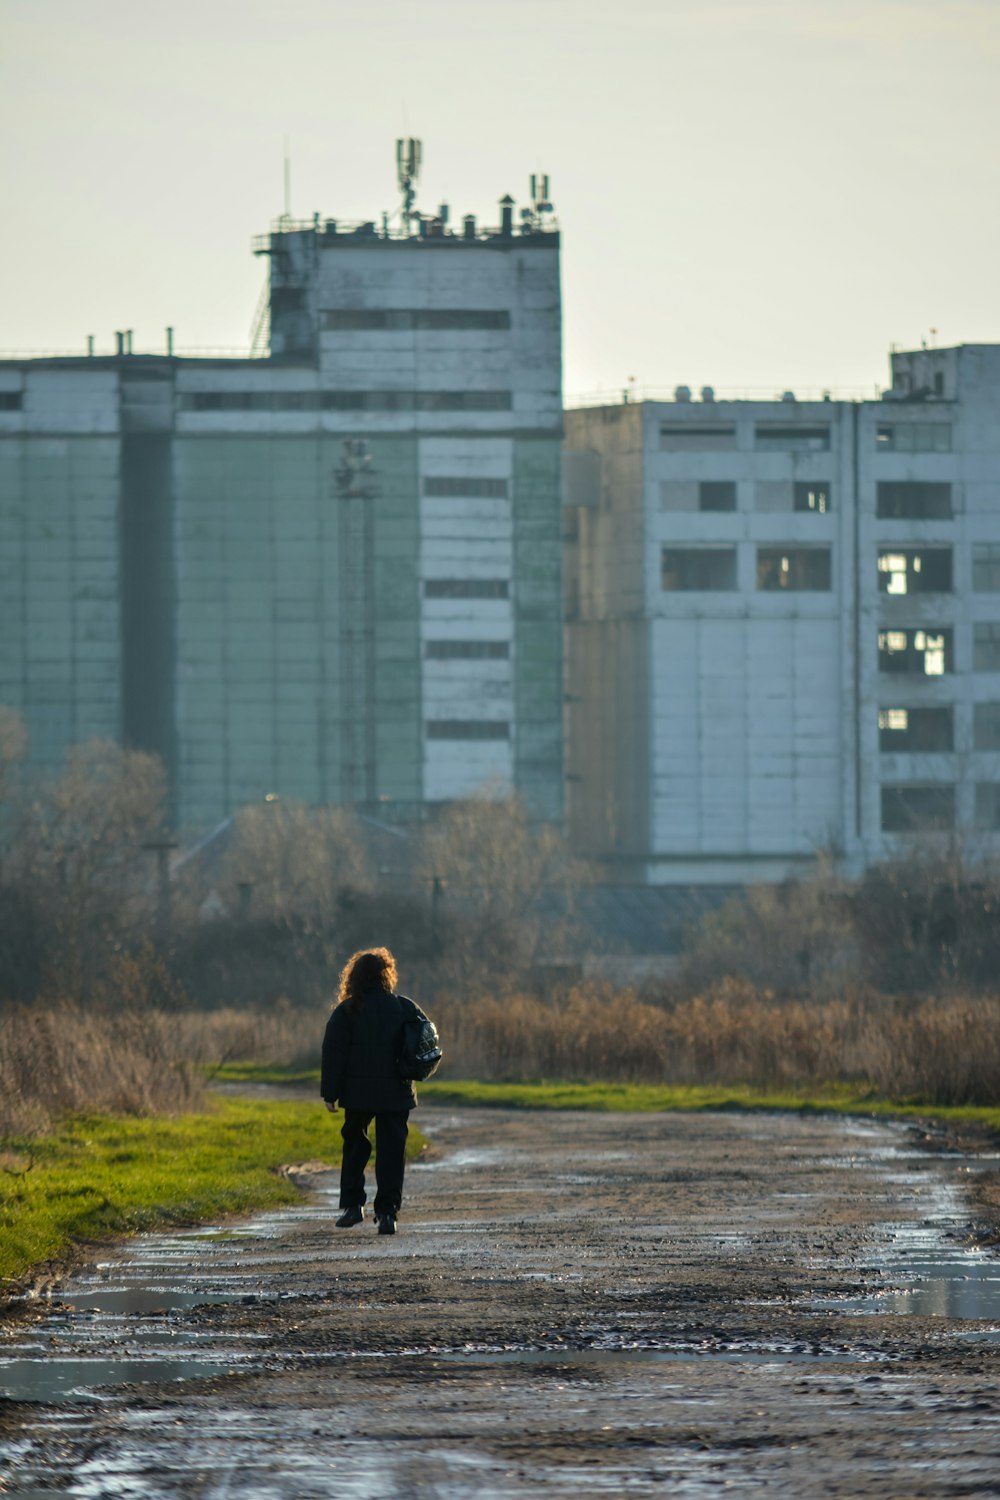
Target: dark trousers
{"points": [[391, 1130]]}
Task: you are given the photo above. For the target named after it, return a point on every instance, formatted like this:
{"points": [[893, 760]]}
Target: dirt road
{"points": [[636, 1305]]}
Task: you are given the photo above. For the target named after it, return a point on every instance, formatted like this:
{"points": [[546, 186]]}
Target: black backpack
{"points": [[420, 1048]]}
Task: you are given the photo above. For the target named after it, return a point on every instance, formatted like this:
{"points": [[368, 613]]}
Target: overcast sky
{"points": [[753, 193]]}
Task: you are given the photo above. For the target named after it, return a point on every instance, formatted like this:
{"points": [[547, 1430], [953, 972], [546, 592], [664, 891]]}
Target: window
{"points": [[467, 488], [914, 437], [468, 729], [706, 568], [905, 730], [918, 809], [986, 726], [912, 572], [705, 437], [987, 807], [11, 400], [466, 588], [417, 400], [375, 320], [928, 653], [986, 568], [717, 494], [467, 650], [793, 568], [986, 646], [814, 495], [795, 439], [913, 500]]}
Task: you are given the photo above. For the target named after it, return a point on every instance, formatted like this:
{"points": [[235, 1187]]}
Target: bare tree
{"points": [[293, 862], [487, 866], [79, 853]]}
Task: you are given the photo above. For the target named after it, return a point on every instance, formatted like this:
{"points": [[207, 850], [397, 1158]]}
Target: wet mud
{"points": [[635, 1304]]}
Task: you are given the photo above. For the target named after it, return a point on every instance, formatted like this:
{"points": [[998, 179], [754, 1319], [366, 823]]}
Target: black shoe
{"points": [[386, 1224], [350, 1217]]}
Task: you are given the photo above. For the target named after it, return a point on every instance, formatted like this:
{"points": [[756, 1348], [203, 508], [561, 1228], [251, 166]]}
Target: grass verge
{"points": [[99, 1176], [839, 1098]]}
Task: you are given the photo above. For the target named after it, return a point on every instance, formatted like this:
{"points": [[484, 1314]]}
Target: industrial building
{"points": [[331, 572], [783, 628]]}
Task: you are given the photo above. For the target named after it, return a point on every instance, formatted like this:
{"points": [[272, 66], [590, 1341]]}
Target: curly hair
{"points": [[371, 969]]}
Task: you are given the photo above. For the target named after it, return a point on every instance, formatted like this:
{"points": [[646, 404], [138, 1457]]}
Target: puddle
{"points": [[56, 1379], [144, 1301], [926, 1274]]}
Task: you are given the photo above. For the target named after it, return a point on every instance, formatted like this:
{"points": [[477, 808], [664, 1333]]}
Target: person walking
{"points": [[360, 1072]]}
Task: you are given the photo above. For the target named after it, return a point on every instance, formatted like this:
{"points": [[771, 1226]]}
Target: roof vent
{"points": [[682, 393], [708, 393], [788, 395]]}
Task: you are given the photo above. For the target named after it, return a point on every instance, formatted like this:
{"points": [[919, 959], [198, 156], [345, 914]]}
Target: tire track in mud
{"points": [[617, 1301]]}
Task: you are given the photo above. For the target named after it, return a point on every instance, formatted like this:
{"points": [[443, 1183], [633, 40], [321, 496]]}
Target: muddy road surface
{"points": [[630, 1305]]}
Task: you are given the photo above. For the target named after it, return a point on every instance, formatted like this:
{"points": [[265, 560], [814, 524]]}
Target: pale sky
{"points": [[754, 194]]}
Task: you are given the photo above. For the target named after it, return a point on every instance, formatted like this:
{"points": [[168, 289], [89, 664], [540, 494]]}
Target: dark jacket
{"points": [[360, 1049]]}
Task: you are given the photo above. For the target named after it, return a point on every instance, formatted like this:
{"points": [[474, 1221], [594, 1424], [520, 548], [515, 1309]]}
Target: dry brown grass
{"points": [[946, 1051], [58, 1059]]}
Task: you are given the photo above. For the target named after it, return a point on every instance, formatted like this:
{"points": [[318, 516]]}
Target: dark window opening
{"points": [[446, 486], [468, 729], [914, 437], [813, 495], [467, 650], [793, 568], [927, 653], [780, 435], [705, 437], [706, 568], [417, 400], [987, 807], [986, 646], [986, 726], [913, 500], [717, 494], [986, 568], [918, 809], [915, 730], [915, 572], [375, 320], [466, 588], [11, 400]]}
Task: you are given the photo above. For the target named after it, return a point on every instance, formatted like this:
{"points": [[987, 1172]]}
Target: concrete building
{"points": [[332, 573], [784, 625]]}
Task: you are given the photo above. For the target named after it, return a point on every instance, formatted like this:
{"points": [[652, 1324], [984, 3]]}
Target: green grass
{"points": [[99, 1176], [839, 1098]]}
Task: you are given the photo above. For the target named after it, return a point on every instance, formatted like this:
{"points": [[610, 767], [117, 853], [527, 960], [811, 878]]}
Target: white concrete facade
{"points": [[775, 644]]}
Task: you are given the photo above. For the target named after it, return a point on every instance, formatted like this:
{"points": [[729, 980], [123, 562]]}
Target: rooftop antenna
{"points": [[409, 155], [287, 215]]}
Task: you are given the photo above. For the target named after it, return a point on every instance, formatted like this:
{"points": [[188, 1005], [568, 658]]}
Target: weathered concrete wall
{"points": [[60, 635], [281, 687]]}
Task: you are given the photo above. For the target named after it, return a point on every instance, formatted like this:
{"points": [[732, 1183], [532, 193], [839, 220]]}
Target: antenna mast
{"points": [[409, 155]]}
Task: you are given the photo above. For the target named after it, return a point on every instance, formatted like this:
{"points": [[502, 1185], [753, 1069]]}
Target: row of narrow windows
{"points": [[437, 319], [895, 499], [900, 571], [467, 729], [467, 650], [897, 437], [931, 809], [930, 730], [351, 400]]}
